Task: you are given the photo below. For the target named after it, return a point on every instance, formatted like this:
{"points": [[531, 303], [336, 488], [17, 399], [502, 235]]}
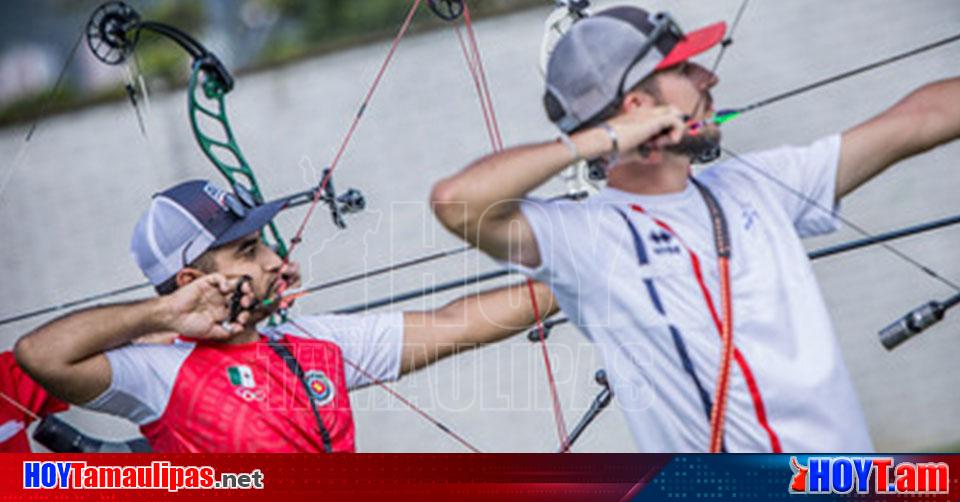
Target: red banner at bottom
{"points": [[500, 477], [330, 477]]}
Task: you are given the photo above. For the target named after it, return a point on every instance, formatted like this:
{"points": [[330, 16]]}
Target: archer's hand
{"points": [[199, 309], [656, 127]]}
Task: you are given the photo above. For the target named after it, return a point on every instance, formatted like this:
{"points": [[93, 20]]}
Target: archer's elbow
{"points": [[450, 206], [30, 356], [931, 114]]}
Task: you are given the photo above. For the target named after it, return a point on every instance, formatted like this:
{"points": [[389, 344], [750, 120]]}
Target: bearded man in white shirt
{"points": [[665, 271]]}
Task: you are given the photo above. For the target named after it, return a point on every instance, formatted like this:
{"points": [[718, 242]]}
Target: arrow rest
{"points": [[448, 10]]}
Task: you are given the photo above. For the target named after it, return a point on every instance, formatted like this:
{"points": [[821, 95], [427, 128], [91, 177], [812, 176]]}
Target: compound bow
{"points": [[112, 35]]}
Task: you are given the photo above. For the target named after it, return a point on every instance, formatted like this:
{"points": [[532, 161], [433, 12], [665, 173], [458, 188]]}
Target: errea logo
{"points": [[663, 242]]}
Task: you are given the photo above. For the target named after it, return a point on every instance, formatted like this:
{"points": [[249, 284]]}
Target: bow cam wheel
{"points": [[112, 32], [448, 10]]}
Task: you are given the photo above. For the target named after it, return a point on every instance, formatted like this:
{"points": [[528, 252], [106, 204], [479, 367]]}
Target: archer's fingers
{"points": [[247, 298], [222, 331], [670, 112], [678, 129], [243, 318], [224, 285]]}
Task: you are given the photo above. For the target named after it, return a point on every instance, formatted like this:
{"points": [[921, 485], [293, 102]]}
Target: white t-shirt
{"points": [[629, 286]]}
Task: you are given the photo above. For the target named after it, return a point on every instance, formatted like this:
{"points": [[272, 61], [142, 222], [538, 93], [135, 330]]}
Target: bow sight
{"points": [[349, 202], [112, 35]]}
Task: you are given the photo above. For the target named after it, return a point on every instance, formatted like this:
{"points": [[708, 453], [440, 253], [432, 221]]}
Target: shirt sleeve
{"points": [[141, 382], [800, 179], [559, 228], [372, 344]]}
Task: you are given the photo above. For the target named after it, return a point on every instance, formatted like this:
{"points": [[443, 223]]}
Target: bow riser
{"points": [[211, 84]]}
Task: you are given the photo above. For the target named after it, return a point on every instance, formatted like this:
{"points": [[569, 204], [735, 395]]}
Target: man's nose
{"points": [[272, 260], [704, 78], [712, 80]]}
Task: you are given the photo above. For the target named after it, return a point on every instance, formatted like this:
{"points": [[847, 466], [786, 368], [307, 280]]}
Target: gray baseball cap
{"points": [[603, 56], [185, 221]]}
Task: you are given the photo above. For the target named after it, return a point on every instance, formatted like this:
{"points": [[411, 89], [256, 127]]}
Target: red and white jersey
{"points": [[18, 386], [629, 284], [212, 397]]}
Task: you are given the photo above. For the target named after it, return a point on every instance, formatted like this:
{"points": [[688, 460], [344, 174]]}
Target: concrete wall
{"points": [[67, 208]]}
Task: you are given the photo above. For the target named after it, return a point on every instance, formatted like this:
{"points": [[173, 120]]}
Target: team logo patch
{"points": [[321, 388]]}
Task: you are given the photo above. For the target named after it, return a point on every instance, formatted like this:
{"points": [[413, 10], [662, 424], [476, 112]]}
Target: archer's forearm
{"points": [[491, 186], [494, 315], [470, 322], [49, 351], [928, 117]]}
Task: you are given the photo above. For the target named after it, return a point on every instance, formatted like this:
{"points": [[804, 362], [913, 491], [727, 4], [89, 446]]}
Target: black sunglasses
{"points": [[665, 36]]}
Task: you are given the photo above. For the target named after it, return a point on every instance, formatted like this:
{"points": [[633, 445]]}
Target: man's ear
{"points": [[637, 99], [187, 275]]}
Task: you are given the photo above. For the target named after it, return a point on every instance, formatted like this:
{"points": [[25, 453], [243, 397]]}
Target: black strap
{"points": [[294, 366], [721, 233]]}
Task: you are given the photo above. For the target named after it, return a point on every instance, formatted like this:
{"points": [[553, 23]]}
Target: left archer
{"points": [[225, 385], [219, 267]]}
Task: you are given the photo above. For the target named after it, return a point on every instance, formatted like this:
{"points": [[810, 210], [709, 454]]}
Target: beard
{"points": [[700, 149]]}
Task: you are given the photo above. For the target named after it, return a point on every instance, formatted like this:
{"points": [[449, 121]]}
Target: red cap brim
{"points": [[695, 43]]}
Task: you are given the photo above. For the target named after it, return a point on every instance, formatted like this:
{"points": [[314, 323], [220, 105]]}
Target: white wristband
{"points": [[568, 142], [614, 144]]}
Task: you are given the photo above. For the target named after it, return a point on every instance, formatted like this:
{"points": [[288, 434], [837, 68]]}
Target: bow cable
{"points": [[471, 52], [21, 156], [846, 221], [295, 241]]}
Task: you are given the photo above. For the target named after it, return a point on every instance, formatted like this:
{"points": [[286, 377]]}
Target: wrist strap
{"points": [[614, 144], [568, 142]]}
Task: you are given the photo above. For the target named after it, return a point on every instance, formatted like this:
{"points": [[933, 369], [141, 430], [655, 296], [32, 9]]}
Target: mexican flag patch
{"points": [[241, 375]]}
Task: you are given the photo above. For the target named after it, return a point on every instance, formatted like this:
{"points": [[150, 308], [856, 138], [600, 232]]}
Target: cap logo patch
{"points": [[217, 194]]}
